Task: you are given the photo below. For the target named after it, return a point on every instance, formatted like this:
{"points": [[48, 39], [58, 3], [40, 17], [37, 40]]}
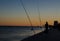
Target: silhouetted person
{"points": [[46, 27], [55, 24]]}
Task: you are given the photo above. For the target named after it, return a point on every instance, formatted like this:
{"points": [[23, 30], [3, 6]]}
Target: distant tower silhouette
{"points": [[59, 26], [55, 24], [46, 27]]}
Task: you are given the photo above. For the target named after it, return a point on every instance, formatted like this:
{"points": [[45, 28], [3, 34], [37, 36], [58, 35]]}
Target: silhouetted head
{"points": [[46, 22], [46, 25]]}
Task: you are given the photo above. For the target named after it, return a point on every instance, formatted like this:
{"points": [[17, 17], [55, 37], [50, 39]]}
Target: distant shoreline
{"points": [[20, 26]]}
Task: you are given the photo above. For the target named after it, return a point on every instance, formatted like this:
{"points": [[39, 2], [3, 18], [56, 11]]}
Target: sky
{"points": [[12, 12]]}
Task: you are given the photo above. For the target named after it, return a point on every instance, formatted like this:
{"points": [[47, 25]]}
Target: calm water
{"points": [[17, 33]]}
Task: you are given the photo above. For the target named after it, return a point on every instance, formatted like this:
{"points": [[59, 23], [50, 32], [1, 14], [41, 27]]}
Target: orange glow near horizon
{"points": [[14, 22], [24, 22]]}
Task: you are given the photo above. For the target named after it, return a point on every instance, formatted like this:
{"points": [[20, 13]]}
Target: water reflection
{"points": [[17, 34]]}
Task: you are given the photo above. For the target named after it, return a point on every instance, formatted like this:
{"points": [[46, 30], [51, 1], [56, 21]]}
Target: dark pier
{"points": [[52, 34]]}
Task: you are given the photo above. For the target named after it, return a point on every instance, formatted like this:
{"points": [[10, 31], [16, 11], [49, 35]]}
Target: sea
{"points": [[18, 33]]}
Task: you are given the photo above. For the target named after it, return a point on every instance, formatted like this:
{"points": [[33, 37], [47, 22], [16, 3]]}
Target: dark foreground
{"points": [[52, 35]]}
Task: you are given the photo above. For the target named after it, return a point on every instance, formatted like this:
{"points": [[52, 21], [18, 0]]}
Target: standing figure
{"points": [[46, 27]]}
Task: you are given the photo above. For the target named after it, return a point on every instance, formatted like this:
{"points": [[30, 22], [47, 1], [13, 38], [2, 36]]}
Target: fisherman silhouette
{"points": [[46, 27]]}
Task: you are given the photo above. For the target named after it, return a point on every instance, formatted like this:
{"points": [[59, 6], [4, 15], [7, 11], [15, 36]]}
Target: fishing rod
{"points": [[38, 13], [27, 15]]}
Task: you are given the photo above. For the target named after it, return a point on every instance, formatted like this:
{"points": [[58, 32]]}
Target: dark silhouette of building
{"points": [[46, 27], [55, 24], [59, 26]]}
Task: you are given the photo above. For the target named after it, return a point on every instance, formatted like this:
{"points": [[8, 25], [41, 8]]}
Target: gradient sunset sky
{"points": [[13, 14]]}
